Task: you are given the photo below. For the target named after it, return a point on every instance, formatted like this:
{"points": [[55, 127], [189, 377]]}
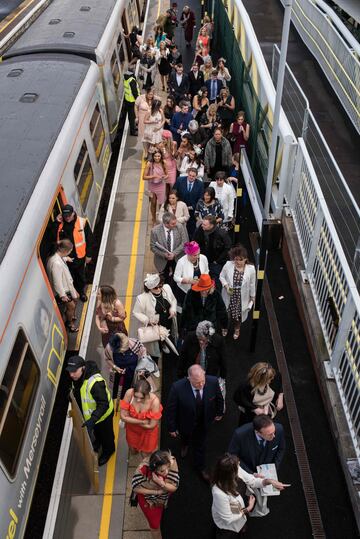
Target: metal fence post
{"points": [[342, 332], [297, 177], [309, 266]]}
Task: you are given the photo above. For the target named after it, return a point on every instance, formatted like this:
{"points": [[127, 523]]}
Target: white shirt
{"points": [[166, 230], [223, 517], [179, 79], [194, 390], [225, 196]]}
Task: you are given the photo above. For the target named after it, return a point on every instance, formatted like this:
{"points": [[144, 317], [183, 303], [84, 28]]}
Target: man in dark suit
{"points": [[179, 83], [180, 121], [190, 190], [259, 442], [196, 80], [213, 85], [193, 404]]}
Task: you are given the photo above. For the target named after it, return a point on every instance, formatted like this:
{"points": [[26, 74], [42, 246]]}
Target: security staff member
{"points": [[131, 92], [95, 402], [76, 229]]}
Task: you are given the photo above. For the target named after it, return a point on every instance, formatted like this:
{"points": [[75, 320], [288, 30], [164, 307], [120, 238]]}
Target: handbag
{"points": [[149, 334]]}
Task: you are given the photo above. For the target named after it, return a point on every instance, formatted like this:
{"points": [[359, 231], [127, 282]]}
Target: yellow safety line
{"points": [[17, 14], [110, 470]]}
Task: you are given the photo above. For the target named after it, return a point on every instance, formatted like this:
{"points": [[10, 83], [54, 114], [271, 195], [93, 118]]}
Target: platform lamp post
{"points": [[267, 221]]}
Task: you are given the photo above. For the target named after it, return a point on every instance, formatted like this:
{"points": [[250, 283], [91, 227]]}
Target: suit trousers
{"points": [[226, 534], [197, 440], [77, 270], [130, 108], [104, 435]]}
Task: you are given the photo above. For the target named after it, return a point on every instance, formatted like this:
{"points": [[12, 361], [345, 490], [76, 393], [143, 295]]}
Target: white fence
{"points": [[344, 210], [332, 284], [335, 49]]}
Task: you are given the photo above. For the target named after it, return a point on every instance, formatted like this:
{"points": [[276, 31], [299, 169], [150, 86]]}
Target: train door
{"points": [[49, 236], [127, 30]]}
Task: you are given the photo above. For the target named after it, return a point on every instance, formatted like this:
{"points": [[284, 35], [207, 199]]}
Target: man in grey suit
{"points": [[167, 243]]}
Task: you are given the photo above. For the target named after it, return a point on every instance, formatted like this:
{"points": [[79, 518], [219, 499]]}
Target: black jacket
{"points": [[98, 391], [194, 311], [215, 246], [243, 397], [196, 84], [215, 355], [244, 445], [175, 89], [180, 410]]}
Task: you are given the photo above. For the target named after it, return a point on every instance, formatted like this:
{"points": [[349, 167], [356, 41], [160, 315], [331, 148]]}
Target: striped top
{"points": [[142, 478]]}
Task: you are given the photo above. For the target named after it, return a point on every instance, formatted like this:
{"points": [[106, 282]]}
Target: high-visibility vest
{"points": [[128, 95], [88, 404], [78, 235]]}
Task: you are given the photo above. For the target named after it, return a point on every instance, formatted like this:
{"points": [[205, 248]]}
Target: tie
{"points": [[168, 241], [199, 406], [213, 91], [190, 186]]}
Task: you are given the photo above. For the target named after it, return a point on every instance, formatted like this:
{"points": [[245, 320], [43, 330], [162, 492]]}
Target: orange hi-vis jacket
{"points": [[78, 235]]}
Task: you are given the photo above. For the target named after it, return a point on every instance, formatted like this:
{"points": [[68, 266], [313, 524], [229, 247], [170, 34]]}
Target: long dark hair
{"points": [[155, 106], [225, 475]]}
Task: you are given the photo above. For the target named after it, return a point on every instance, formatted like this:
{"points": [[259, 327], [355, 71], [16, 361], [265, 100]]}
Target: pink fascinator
{"points": [[166, 134], [191, 248]]}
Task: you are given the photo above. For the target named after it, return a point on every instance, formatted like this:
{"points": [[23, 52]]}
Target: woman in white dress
{"points": [[238, 280], [229, 510], [156, 306], [189, 267], [154, 122]]}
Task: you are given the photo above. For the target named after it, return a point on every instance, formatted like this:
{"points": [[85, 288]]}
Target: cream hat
{"points": [[151, 280]]}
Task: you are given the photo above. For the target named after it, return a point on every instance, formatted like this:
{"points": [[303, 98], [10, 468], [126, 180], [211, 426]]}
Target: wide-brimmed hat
{"points": [[204, 283]]}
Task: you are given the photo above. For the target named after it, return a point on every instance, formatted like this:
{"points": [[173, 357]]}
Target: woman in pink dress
{"points": [[203, 43], [168, 148], [156, 174]]}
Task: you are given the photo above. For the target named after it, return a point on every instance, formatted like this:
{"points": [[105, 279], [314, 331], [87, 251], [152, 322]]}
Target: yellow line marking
{"points": [[82, 320], [17, 14], [158, 11], [110, 470]]}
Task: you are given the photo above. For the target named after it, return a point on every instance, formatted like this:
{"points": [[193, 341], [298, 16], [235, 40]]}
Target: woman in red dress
{"points": [[187, 21], [240, 132], [154, 481], [141, 412]]}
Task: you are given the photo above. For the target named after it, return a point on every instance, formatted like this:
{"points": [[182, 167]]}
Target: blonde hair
{"points": [[211, 111], [261, 374]]}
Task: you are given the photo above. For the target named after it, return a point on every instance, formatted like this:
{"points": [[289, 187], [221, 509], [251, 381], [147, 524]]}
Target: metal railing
{"points": [[334, 290], [335, 49], [344, 210]]}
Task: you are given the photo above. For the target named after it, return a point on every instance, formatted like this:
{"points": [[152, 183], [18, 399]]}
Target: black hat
{"points": [[74, 363], [67, 209]]}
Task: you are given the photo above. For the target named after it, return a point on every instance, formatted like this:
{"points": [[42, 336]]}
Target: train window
{"points": [[121, 53], [17, 392], [84, 175], [126, 32], [97, 131], [115, 70]]}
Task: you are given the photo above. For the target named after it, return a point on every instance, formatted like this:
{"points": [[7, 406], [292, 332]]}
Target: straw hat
{"points": [[204, 283]]}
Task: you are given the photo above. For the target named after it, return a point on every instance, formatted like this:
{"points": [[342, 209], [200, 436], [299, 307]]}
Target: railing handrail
{"points": [[264, 73], [327, 216], [321, 136], [354, 45]]}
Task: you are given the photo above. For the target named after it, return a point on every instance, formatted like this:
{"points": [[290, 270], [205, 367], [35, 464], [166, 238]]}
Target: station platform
{"points": [[107, 515]]}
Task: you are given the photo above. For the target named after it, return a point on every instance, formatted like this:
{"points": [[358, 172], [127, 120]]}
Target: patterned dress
{"points": [[235, 299]]}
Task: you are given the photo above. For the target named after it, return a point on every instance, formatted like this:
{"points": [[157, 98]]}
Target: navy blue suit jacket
{"points": [[208, 86], [180, 409], [189, 197], [244, 444]]}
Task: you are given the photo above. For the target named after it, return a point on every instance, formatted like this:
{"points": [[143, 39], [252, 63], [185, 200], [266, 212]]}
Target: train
{"points": [[59, 111]]}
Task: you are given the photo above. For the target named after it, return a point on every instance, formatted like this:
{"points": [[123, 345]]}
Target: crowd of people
{"points": [[201, 294]]}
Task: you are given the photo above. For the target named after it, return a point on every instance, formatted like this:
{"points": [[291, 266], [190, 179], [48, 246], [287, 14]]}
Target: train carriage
{"points": [[54, 148], [94, 31]]}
